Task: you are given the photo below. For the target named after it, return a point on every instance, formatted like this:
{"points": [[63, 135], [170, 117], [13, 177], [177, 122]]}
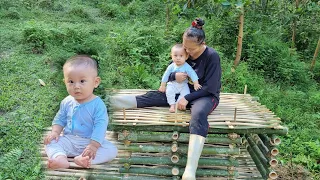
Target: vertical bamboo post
{"points": [[124, 114], [245, 89]]}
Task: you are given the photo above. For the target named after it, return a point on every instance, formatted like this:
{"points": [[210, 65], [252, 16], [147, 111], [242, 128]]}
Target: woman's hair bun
{"points": [[198, 23]]}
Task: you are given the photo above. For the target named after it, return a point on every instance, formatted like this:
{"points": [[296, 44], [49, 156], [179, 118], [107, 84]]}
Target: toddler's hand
{"points": [[90, 151], [162, 88], [197, 86], [50, 137]]}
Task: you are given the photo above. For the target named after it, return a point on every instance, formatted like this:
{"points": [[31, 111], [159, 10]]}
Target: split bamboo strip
{"points": [[280, 130], [182, 149], [168, 171], [182, 161], [168, 137]]}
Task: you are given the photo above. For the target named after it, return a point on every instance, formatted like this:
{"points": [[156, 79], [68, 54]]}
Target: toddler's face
{"points": [[179, 55], [80, 82]]}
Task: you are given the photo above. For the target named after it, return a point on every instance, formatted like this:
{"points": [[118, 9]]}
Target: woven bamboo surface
{"points": [[235, 111]]}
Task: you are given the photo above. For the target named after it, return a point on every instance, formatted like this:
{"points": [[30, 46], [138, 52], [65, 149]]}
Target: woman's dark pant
{"points": [[200, 109]]}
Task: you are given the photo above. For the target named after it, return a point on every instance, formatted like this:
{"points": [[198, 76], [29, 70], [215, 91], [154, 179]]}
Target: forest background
{"points": [[131, 39]]}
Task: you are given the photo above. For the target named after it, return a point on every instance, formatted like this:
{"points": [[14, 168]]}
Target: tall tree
{"points": [[315, 55], [240, 37], [294, 25]]}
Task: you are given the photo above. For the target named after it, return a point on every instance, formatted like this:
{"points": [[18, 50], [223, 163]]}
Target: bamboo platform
{"points": [[153, 143], [235, 111], [163, 163]]}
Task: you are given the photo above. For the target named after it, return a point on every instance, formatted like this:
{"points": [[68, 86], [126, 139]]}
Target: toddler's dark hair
{"points": [[179, 45], [82, 60]]}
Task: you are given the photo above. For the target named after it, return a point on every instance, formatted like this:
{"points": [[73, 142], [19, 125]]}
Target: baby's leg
{"points": [[60, 161], [57, 153], [183, 91], [171, 96], [106, 152]]}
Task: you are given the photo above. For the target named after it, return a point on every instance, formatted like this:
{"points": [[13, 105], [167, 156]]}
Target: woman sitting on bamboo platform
{"points": [[206, 62]]}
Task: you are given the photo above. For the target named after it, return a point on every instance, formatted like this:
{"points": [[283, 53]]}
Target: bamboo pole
{"points": [[169, 137], [257, 151], [266, 173], [100, 175], [272, 150], [181, 149], [268, 142], [274, 139], [262, 152], [181, 161], [162, 171], [280, 131]]}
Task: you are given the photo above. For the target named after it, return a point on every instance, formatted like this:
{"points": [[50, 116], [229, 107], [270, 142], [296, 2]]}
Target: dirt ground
{"points": [[293, 172]]}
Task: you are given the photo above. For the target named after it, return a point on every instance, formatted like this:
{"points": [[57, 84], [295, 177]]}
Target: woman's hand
{"points": [[180, 77], [162, 88], [182, 104]]}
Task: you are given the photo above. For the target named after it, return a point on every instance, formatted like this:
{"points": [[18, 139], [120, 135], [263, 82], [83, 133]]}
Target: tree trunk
{"points": [[294, 27], [167, 16], [315, 55], [240, 36]]}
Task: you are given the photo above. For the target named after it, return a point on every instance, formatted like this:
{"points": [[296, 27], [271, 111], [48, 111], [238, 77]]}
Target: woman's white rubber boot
{"points": [[196, 143]]}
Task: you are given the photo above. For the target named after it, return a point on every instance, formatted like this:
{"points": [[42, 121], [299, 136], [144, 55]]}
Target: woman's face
{"points": [[193, 48]]}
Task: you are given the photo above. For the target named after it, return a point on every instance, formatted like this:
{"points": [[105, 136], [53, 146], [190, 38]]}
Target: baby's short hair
{"points": [[82, 60], [178, 46]]}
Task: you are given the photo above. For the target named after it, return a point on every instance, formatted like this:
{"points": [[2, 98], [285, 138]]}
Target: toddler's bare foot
{"points": [[58, 162], [82, 161], [172, 108]]}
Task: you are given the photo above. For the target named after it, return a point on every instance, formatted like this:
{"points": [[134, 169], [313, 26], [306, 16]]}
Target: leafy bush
{"points": [[275, 60], [110, 10], [79, 12], [12, 13]]}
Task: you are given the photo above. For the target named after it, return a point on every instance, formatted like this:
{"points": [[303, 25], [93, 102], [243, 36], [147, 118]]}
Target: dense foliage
{"points": [[131, 40]]}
